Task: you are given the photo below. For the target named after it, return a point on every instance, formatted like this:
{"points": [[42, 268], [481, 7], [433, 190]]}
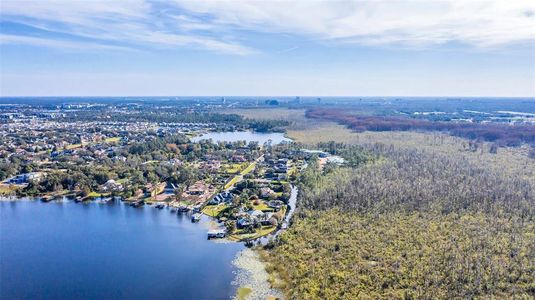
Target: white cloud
{"points": [[480, 23], [208, 24], [134, 23], [58, 44]]}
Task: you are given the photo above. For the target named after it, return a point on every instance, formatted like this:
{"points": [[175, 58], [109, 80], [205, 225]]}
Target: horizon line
{"points": [[258, 96]]}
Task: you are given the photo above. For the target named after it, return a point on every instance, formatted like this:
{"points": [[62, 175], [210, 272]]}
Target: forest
{"points": [[501, 134], [407, 224]]}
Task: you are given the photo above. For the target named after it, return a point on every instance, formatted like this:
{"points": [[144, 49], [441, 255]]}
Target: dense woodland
{"points": [[408, 224], [501, 134]]}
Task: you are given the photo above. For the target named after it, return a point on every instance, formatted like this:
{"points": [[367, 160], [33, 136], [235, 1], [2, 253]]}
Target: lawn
{"points": [[214, 210], [231, 182], [232, 171], [261, 206], [265, 230], [112, 140], [6, 189], [122, 180], [73, 146], [293, 171], [96, 195], [248, 169], [234, 168]]}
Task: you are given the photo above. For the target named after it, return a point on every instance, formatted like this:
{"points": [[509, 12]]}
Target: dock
{"points": [[216, 233], [138, 203], [195, 217], [47, 198]]}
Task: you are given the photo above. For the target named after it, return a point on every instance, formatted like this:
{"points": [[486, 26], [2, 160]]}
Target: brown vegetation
{"points": [[501, 134], [410, 224]]}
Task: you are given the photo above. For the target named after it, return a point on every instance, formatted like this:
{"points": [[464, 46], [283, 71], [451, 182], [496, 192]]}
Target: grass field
{"points": [[238, 236], [248, 169], [213, 210], [231, 182], [112, 140], [261, 206], [122, 180], [6, 189], [73, 146], [96, 195]]}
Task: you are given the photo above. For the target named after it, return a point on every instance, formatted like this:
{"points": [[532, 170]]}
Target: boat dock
{"points": [[217, 233], [195, 218]]}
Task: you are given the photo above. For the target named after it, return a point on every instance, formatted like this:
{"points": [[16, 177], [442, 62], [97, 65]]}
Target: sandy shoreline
{"points": [[251, 273]]}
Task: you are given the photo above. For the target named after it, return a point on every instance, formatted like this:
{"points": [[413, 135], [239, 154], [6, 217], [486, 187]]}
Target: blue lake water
{"points": [[69, 250], [248, 136]]}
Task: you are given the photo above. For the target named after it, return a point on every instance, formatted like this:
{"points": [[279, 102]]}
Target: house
{"points": [[112, 186], [280, 167], [335, 160], [309, 153], [24, 178], [282, 177], [275, 204], [256, 214], [266, 219], [169, 188], [175, 162], [245, 221], [119, 158], [265, 192], [196, 189], [238, 158], [224, 197], [211, 166]]}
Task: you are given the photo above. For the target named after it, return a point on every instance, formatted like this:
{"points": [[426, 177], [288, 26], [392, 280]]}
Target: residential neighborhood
{"points": [[62, 153]]}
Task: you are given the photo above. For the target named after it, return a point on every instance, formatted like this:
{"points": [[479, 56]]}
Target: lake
{"points": [[248, 136], [67, 250]]}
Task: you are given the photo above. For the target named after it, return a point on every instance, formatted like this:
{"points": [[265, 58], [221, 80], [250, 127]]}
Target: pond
{"points": [[68, 250], [248, 136]]}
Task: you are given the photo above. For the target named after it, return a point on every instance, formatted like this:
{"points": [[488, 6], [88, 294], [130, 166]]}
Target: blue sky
{"points": [[267, 48]]}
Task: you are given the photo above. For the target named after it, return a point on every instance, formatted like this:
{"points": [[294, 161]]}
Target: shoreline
{"points": [[252, 277], [251, 280]]}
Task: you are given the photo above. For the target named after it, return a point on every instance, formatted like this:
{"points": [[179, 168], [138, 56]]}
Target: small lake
{"points": [[248, 136], [67, 250]]}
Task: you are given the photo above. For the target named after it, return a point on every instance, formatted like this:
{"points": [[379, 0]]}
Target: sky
{"points": [[267, 48]]}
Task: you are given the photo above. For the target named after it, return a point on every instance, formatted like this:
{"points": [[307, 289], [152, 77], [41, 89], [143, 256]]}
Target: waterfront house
{"points": [[275, 204], [24, 178], [224, 197], [112, 186], [169, 188], [197, 188], [244, 222]]}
